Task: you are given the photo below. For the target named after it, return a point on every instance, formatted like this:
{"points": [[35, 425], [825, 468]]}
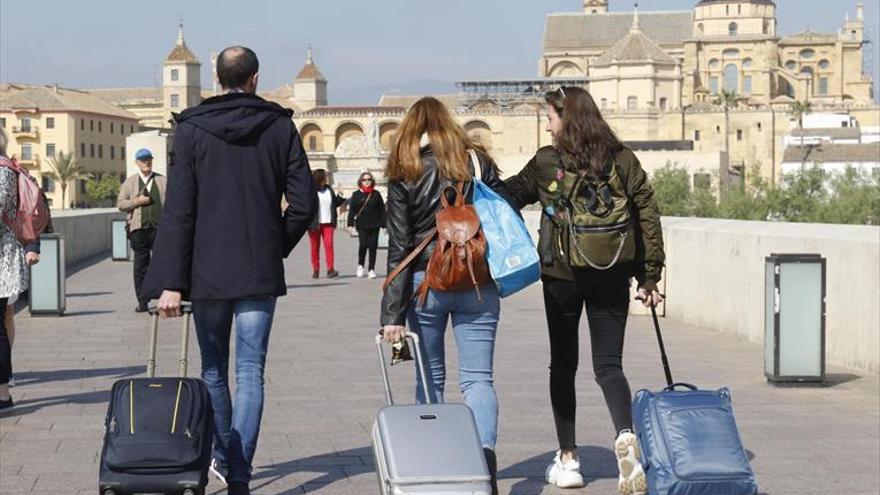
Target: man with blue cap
{"points": [[142, 196]]}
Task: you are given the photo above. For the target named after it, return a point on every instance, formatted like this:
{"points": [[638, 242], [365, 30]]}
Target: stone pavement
{"points": [[323, 391]]}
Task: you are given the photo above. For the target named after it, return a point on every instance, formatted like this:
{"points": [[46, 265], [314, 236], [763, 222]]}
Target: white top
{"points": [[325, 206]]}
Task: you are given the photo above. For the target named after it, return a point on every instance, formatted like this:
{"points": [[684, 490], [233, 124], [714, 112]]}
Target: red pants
{"points": [[325, 232]]}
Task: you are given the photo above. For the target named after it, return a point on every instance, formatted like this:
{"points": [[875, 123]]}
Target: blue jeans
{"points": [[235, 431], [474, 323]]}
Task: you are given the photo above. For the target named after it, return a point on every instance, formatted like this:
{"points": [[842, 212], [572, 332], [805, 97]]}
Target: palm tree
{"points": [[798, 110], [728, 100], [65, 169]]}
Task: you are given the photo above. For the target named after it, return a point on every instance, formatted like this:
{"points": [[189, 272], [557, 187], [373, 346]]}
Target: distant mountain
{"points": [[369, 95]]}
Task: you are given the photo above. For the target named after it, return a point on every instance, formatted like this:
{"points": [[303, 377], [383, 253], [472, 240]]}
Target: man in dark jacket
{"points": [[222, 239]]}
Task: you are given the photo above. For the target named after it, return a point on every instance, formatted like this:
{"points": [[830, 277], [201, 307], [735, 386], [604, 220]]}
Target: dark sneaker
{"points": [[332, 273], [141, 308], [238, 488], [315, 274], [6, 405], [218, 471]]}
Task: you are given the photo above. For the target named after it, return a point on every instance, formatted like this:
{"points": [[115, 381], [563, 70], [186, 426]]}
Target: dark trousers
{"points": [[142, 245], [606, 298], [368, 239], [5, 346]]}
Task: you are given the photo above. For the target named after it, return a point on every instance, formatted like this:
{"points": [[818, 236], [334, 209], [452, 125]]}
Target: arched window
{"points": [[713, 64], [731, 78], [730, 53], [747, 63], [700, 29], [791, 65], [732, 29], [662, 103], [632, 103], [808, 53], [824, 64]]}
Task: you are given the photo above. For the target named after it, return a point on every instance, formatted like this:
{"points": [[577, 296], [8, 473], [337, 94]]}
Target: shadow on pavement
{"points": [[88, 294], [32, 405], [91, 312], [327, 468], [25, 378], [831, 380], [307, 286], [596, 463]]}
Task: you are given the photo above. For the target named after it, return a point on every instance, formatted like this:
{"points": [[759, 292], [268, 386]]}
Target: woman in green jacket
{"points": [[600, 227]]}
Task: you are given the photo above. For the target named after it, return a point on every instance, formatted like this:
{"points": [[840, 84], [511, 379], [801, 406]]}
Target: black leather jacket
{"points": [[410, 217]]}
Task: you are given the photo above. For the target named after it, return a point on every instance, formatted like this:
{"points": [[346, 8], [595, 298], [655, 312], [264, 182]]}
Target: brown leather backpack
{"points": [[459, 258]]}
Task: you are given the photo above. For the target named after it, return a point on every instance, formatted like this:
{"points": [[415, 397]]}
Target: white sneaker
{"points": [[632, 475], [565, 475], [372, 274], [360, 271]]}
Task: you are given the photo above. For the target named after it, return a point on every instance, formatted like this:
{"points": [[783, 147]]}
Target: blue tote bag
{"points": [[511, 254]]}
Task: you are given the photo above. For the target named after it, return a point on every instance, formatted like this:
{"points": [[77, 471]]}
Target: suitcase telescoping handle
{"points": [[663, 358], [153, 308], [386, 382]]}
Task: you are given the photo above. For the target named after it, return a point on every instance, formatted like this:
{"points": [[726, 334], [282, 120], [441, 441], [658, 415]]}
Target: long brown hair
{"points": [[449, 142], [585, 140]]}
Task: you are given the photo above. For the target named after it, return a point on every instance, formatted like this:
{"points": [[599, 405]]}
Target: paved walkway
{"points": [[323, 391]]}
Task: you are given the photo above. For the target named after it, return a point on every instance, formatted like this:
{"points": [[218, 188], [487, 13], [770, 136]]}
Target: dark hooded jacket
{"points": [[222, 234]]}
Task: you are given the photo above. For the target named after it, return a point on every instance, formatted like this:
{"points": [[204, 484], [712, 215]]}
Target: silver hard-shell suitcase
{"points": [[427, 448]]}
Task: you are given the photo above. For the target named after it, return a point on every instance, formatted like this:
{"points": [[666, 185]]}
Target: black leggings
{"points": [[606, 297], [5, 347], [368, 239]]}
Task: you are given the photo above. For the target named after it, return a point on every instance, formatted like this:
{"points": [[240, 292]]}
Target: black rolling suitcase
{"points": [[158, 431]]}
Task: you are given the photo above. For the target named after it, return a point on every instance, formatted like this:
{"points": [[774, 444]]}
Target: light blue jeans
{"points": [[474, 323], [235, 429]]}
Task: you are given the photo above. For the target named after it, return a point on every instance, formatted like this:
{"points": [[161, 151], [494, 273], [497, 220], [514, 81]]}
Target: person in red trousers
{"points": [[324, 224]]}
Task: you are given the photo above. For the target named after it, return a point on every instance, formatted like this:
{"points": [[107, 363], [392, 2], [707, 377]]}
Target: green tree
{"points": [[103, 190], [854, 198], [65, 168], [800, 196], [748, 201], [672, 190]]}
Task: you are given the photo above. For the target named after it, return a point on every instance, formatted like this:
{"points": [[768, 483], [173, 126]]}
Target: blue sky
{"points": [[365, 48]]}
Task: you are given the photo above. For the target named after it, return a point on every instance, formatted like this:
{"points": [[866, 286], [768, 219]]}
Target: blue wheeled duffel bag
{"points": [[689, 440]]}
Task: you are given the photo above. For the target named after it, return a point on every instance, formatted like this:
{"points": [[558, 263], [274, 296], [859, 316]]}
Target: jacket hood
{"points": [[234, 117]]}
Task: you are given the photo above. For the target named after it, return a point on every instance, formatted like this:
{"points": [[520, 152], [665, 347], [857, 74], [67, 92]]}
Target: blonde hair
{"points": [[449, 142]]}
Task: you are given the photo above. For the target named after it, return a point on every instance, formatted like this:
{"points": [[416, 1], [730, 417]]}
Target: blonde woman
{"points": [[430, 155]]}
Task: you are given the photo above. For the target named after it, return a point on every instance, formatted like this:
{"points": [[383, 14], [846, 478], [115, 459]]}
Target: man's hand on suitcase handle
{"points": [[654, 299], [170, 304]]}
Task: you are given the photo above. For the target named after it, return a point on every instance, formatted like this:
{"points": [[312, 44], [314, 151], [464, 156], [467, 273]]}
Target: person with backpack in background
{"points": [[366, 213], [600, 226], [429, 174], [13, 267], [324, 224], [142, 197]]}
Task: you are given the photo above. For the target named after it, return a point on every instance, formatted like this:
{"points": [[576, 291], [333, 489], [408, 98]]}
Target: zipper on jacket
{"points": [[604, 228]]}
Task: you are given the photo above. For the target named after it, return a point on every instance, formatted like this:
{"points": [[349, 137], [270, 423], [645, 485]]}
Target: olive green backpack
{"points": [[599, 231]]}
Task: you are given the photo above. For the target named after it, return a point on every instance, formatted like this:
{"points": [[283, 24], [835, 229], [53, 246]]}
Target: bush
{"points": [[808, 195], [103, 190]]}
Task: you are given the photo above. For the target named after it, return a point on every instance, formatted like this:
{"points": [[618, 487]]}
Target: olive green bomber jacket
{"points": [[539, 181]]}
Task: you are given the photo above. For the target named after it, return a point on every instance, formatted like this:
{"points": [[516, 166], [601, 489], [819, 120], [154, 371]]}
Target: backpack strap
{"points": [[409, 259]]}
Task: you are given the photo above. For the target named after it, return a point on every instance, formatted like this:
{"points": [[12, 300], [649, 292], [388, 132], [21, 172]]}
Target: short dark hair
{"points": [[235, 65]]}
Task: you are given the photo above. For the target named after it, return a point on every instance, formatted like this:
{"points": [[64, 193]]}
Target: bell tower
{"points": [[595, 7]]}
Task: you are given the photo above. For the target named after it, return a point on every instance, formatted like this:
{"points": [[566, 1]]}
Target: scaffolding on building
{"points": [[507, 94]]}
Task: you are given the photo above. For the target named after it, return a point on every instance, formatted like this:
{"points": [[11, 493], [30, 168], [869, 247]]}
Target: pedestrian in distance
{"points": [[431, 156], [323, 226], [221, 243], [600, 227], [141, 197], [366, 213]]}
